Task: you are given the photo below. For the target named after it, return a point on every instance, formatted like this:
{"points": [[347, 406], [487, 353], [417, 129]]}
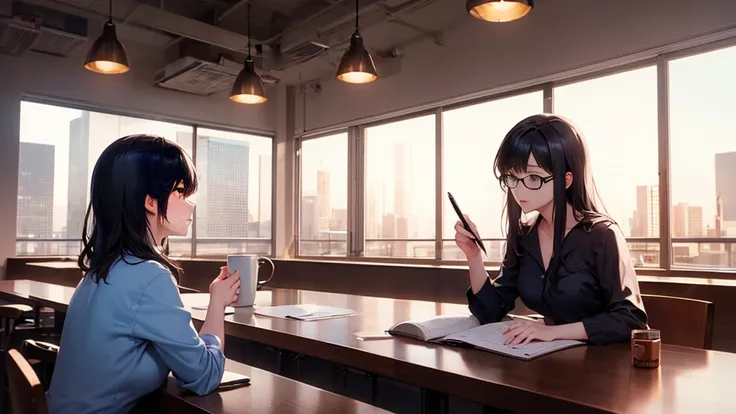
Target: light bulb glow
{"points": [[106, 67], [357, 77], [248, 99], [499, 10]]}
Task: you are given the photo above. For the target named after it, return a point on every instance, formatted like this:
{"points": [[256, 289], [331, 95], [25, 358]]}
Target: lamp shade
{"points": [[499, 10], [248, 87], [107, 55], [357, 64]]}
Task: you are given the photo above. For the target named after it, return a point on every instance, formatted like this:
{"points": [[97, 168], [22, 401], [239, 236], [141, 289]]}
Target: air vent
{"points": [[42, 30], [56, 42], [17, 36], [196, 76]]}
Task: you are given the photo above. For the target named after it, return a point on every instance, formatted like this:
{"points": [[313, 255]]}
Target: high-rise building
{"points": [[35, 192], [89, 135], [679, 220], [78, 175], [725, 189], [719, 217], [695, 221], [323, 200], [401, 198], [687, 221], [646, 217], [309, 226], [222, 165]]}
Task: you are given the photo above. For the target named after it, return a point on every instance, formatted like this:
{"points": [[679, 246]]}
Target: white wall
{"points": [[557, 36], [132, 93]]}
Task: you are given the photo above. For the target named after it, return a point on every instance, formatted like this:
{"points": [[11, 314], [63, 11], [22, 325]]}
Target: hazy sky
{"points": [[617, 114]]}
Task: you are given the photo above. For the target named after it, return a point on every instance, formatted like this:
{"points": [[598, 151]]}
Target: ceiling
{"points": [[293, 40]]}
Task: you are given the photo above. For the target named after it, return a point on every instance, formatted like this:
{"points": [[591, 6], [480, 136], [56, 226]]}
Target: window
{"points": [[703, 159], [618, 116], [472, 135], [233, 212], [323, 212], [57, 156], [400, 189]]}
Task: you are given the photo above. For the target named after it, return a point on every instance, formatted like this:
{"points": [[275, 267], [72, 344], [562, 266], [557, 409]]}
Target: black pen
{"points": [[476, 239]]}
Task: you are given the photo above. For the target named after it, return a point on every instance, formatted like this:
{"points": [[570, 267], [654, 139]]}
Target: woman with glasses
{"points": [[566, 259]]}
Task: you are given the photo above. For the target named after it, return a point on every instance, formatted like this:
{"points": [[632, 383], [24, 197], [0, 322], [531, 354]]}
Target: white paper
{"points": [[228, 309], [490, 337], [308, 312]]}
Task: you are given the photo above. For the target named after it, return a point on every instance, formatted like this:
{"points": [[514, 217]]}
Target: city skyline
{"points": [[79, 137]]}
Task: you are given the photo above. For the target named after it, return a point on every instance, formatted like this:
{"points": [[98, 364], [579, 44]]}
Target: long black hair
{"points": [[116, 224], [559, 148]]}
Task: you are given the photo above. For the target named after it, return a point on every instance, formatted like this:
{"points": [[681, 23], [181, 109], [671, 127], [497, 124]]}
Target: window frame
{"points": [[182, 121], [298, 141], [660, 58]]}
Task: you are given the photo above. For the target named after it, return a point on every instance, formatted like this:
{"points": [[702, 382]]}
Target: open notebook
{"points": [[465, 330]]}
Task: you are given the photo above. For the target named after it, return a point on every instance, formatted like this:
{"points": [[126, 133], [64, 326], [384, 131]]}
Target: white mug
{"points": [[248, 265]]}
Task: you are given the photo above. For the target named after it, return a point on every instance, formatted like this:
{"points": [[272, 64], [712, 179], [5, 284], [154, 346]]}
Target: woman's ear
{"points": [[151, 205], [568, 180]]}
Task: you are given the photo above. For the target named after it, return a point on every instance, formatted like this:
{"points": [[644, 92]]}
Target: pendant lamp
{"points": [[248, 87], [357, 64], [499, 10], [107, 55]]}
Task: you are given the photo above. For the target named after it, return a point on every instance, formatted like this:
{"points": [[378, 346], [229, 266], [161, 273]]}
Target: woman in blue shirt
{"points": [[126, 326]]}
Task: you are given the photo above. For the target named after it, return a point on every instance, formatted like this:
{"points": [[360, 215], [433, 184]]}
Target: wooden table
{"points": [[583, 379], [267, 394], [55, 264]]}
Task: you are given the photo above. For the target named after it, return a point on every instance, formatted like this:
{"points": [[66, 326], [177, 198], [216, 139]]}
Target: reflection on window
{"points": [[400, 189], [323, 220], [703, 159], [233, 212], [618, 116], [472, 135], [58, 150]]}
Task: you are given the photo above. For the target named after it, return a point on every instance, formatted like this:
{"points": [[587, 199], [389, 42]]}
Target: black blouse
{"points": [[596, 285]]}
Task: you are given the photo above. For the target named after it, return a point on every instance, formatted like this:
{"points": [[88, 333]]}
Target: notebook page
{"points": [[444, 325], [490, 337]]}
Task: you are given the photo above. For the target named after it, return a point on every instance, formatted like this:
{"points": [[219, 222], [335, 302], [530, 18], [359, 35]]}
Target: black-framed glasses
{"points": [[532, 182]]}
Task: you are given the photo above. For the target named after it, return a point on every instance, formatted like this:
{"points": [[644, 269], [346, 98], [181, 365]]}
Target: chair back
{"points": [[682, 321], [26, 392]]}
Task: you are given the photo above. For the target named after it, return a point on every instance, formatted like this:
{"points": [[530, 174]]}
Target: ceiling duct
{"points": [[193, 29], [31, 27]]}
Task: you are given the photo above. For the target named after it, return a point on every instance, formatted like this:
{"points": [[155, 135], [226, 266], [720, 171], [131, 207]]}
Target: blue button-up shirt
{"points": [[121, 339]]}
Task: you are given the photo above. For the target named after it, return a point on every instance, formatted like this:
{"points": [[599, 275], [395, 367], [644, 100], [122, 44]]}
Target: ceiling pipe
{"points": [[390, 14], [235, 7], [302, 22]]}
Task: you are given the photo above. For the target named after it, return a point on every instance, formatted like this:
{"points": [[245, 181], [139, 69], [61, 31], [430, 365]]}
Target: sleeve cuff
{"points": [[211, 341], [603, 330], [477, 301], [485, 294]]}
